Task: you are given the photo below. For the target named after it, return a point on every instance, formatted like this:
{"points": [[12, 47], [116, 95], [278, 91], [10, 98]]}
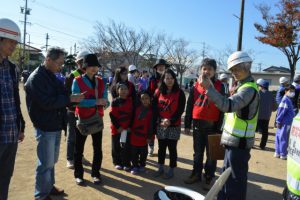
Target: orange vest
{"points": [[203, 108]]}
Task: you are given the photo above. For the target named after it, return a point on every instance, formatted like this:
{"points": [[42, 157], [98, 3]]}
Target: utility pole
{"points": [[47, 38], [239, 46], [203, 51], [26, 12], [74, 48]]}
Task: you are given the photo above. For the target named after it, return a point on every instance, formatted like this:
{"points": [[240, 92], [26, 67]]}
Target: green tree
{"points": [[282, 30], [16, 57]]}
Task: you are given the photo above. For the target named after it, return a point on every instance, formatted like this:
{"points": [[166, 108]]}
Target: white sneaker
{"points": [[276, 155], [70, 164], [150, 153], [79, 181], [283, 157]]}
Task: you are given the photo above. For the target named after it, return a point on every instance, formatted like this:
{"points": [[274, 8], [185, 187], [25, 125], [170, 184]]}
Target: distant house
{"points": [[35, 57], [275, 69]]}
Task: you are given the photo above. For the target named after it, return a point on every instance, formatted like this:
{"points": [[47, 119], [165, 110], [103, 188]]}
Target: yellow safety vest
{"points": [[75, 73], [293, 161], [240, 127]]}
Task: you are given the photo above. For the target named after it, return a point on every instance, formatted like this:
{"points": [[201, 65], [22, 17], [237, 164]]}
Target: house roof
{"points": [[277, 69]]}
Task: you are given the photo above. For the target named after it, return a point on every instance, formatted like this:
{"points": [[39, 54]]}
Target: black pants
{"points": [[120, 155], [263, 128], [97, 157], [162, 148], [139, 155]]}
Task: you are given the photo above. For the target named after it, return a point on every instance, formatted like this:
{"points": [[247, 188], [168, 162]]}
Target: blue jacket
{"points": [[279, 94], [46, 100], [285, 112]]}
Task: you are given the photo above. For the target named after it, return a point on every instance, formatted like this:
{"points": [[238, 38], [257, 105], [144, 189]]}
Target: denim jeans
{"points": [[235, 187], [48, 144], [71, 136], [7, 163], [201, 129]]}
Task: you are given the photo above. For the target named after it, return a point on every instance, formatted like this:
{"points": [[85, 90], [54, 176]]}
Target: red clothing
{"points": [[168, 105], [203, 108], [84, 112], [121, 114], [141, 128]]}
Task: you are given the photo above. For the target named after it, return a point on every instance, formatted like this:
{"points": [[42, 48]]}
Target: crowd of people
{"points": [[143, 110]]}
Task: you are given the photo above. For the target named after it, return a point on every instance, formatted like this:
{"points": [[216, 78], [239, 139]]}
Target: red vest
{"points": [[85, 112], [140, 128], [203, 108], [123, 114], [168, 104]]}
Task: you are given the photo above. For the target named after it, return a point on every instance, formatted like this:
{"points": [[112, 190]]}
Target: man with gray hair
{"points": [[240, 123], [46, 101]]}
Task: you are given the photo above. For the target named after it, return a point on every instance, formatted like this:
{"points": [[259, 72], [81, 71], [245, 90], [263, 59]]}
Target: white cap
{"points": [[223, 76], [10, 30], [283, 80], [131, 68], [81, 55], [237, 58]]}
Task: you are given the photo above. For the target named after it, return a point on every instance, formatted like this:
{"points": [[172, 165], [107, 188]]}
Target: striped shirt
{"points": [[8, 114]]}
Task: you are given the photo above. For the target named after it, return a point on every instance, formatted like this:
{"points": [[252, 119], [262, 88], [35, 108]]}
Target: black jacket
{"points": [[46, 100], [14, 76]]}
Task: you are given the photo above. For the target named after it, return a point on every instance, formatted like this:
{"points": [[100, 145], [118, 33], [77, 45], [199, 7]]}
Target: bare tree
{"points": [[179, 55]]}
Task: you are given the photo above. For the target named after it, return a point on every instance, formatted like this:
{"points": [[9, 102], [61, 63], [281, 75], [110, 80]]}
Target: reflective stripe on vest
{"points": [[75, 73], [239, 127], [293, 167]]}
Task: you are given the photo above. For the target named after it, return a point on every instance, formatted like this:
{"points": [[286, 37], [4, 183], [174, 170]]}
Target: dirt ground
{"points": [[266, 174]]}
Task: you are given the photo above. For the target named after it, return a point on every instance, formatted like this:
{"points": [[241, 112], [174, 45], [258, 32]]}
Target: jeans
{"points": [[7, 163], [201, 129], [71, 135], [97, 157], [48, 144], [235, 187], [162, 148]]}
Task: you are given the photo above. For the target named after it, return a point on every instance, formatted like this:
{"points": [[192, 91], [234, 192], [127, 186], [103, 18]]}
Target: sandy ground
{"points": [[266, 174]]}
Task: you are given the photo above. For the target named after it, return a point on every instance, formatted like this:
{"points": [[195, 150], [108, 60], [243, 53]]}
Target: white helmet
{"points": [[283, 80], [9, 29], [260, 81], [237, 58], [223, 76], [131, 68], [81, 55]]}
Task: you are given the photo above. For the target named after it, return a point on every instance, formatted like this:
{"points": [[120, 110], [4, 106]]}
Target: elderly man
{"points": [[240, 123], [46, 101], [11, 121]]}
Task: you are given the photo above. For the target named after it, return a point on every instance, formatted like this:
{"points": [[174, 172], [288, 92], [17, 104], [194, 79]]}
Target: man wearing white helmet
{"points": [[284, 83], [11, 121], [71, 125], [240, 123], [133, 74]]}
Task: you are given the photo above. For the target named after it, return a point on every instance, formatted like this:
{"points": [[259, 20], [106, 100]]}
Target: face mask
{"points": [[291, 94]]}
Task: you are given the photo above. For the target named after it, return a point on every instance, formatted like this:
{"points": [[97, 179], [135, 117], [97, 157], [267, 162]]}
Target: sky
{"points": [[204, 23]]}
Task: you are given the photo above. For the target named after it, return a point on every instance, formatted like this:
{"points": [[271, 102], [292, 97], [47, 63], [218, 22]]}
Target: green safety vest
{"points": [[75, 73], [293, 165], [240, 127]]}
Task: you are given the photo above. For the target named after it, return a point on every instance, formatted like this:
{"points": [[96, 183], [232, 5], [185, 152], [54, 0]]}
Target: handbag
{"points": [[215, 150], [93, 124]]}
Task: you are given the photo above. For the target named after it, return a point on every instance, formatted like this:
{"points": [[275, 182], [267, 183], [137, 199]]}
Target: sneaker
{"points": [[118, 167], [55, 191], [283, 157], [276, 155], [96, 180], [208, 183], [169, 174], [142, 169], [70, 164], [127, 169], [134, 171], [79, 181], [193, 178], [158, 173]]}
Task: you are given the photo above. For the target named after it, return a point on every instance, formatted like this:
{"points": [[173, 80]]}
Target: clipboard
{"points": [[215, 150]]}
